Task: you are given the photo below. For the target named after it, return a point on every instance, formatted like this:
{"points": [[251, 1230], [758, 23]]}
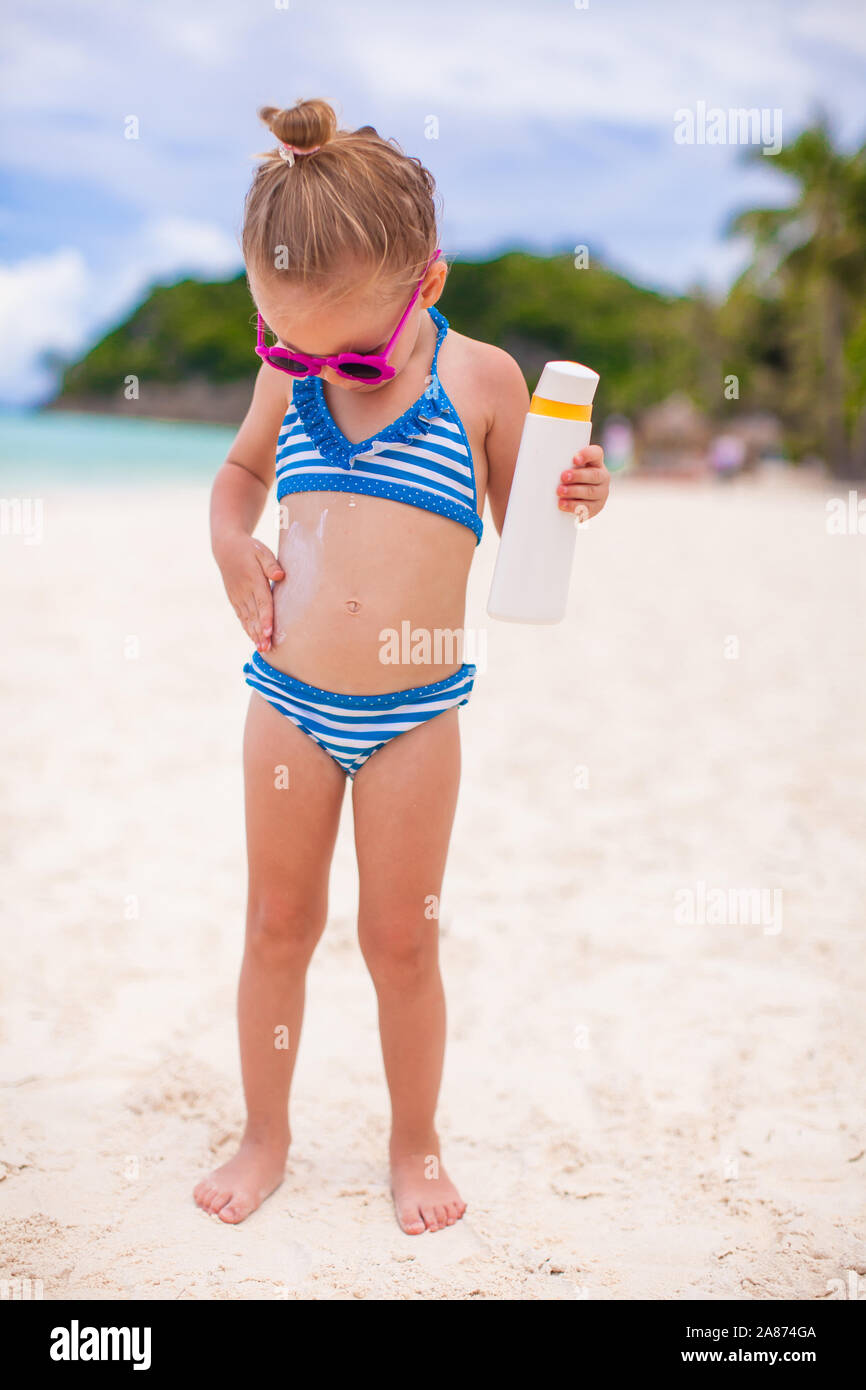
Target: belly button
{"points": [[353, 605]]}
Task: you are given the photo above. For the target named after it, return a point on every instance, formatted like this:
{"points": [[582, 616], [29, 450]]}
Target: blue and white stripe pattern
{"points": [[353, 727], [423, 458]]}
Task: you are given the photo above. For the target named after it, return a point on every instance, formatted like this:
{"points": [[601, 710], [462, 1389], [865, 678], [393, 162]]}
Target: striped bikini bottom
{"points": [[353, 727]]}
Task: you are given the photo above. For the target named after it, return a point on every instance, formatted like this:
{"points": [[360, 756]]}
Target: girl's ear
{"points": [[434, 290]]}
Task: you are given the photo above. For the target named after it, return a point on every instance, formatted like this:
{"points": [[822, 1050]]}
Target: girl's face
{"points": [[361, 322]]}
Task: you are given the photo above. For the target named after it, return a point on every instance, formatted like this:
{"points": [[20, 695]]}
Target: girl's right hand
{"points": [[247, 568]]}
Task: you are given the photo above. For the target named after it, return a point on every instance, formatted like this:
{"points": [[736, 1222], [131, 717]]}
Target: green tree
{"points": [[810, 256]]}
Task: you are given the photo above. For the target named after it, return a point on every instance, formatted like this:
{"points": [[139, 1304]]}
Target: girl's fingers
{"points": [[264, 619], [595, 476], [592, 454], [247, 611], [246, 621], [588, 494], [271, 567]]}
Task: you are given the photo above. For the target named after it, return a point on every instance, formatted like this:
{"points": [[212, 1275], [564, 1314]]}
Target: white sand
{"points": [[632, 1107]]}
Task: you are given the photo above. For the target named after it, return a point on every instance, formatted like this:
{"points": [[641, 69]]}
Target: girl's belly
{"points": [[374, 594]]}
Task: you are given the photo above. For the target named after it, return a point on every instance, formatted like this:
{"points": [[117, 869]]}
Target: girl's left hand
{"points": [[583, 488]]}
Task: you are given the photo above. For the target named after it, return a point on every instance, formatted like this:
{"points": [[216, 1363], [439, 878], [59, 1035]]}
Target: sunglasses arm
{"points": [[410, 306]]}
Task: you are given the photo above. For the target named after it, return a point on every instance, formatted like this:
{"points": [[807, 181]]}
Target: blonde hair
{"points": [[356, 211]]}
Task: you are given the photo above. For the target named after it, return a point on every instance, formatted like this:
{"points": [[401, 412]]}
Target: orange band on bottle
{"points": [[542, 405]]}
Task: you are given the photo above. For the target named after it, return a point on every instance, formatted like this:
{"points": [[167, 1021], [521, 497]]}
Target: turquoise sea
{"points": [[65, 448]]}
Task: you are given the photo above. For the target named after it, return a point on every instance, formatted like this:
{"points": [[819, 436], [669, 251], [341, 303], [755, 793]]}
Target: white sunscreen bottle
{"points": [[536, 549]]}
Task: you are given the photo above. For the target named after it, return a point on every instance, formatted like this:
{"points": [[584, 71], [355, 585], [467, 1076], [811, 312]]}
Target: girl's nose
{"points": [[333, 378]]}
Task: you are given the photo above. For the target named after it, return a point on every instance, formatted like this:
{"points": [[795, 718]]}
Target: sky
{"points": [[548, 125]]}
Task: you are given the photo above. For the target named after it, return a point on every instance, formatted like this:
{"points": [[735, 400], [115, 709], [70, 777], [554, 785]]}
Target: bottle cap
{"points": [[568, 382]]}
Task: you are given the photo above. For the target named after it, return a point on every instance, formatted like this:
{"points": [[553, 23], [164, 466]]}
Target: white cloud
{"points": [[519, 64], [840, 25], [194, 76], [178, 244], [60, 304], [42, 303]]}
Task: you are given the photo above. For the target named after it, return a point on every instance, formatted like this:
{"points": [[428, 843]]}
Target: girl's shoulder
{"points": [[487, 373]]}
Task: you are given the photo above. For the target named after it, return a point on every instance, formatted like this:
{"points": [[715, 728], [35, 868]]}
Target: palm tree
{"points": [[813, 254]]}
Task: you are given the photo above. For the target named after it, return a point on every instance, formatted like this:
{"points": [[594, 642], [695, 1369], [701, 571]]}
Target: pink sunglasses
{"points": [[355, 366]]}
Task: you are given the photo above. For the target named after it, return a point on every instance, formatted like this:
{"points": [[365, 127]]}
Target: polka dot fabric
{"points": [[351, 728]]}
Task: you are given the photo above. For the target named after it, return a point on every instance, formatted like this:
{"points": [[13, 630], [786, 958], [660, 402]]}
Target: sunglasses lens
{"points": [[287, 364], [360, 371]]}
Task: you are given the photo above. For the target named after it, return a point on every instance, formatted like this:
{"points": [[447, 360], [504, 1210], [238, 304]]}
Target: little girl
{"points": [[385, 431]]}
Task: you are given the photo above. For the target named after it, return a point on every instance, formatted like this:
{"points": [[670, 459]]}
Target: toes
{"points": [[204, 1193], [430, 1220], [219, 1202], [411, 1221], [232, 1212]]}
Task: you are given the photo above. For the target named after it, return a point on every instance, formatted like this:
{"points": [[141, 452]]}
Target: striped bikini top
{"points": [[423, 458]]}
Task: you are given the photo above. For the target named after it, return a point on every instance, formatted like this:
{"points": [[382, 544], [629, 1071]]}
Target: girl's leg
{"points": [[404, 799], [290, 840]]}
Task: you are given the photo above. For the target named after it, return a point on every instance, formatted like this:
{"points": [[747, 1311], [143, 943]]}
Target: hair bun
{"points": [[305, 124]]}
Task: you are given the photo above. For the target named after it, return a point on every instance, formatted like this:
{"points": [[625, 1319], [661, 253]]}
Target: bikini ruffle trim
{"points": [[309, 401]]}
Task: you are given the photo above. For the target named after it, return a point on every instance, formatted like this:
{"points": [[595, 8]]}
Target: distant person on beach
{"points": [[384, 430], [727, 455], [618, 443]]}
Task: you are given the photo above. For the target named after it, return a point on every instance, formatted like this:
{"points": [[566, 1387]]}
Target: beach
{"points": [[645, 1096]]}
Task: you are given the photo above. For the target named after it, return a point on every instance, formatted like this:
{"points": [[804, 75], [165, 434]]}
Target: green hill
{"points": [[541, 308], [194, 328]]}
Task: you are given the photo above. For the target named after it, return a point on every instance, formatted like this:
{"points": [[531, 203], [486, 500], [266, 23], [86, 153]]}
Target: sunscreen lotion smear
{"points": [[533, 566]]}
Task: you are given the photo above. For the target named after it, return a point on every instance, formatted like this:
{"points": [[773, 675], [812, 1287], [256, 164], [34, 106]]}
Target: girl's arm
{"points": [[508, 402], [238, 498], [583, 486]]}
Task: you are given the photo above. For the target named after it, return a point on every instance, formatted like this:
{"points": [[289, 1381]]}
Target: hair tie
{"points": [[288, 152]]}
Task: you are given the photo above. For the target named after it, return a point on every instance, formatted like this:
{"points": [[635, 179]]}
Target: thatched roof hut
{"points": [[674, 437], [761, 434]]}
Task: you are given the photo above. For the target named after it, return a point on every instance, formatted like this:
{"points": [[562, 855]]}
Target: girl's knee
{"points": [[398, 950], [282, 929]]}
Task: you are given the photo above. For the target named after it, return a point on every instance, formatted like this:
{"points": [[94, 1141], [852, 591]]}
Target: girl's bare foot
{"points": [[242, 1184], [425, 1198]]}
